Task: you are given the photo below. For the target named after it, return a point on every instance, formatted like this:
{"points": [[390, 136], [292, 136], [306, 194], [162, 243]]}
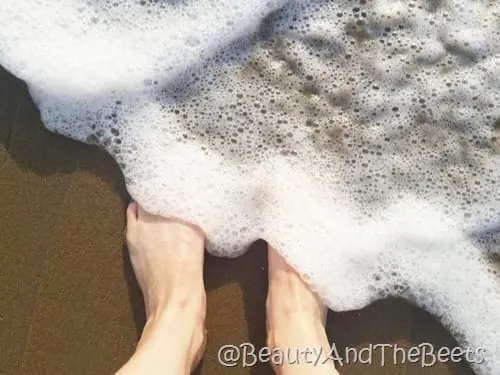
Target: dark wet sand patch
{"points": [[69, 303]]}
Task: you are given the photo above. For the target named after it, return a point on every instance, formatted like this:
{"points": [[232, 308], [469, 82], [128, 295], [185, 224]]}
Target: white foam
{"points": [[361, 140]]}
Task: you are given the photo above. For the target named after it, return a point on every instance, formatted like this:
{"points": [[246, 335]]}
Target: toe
{"points": [[145, 216], [131, 219], [132, 212], [277, 263]]}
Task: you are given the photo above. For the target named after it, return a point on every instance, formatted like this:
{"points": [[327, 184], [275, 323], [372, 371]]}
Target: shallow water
{"points": [[371, 128]]}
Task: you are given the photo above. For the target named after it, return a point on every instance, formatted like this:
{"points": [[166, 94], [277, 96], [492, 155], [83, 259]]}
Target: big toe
{"points": [[131, 218], [285, 280], [277, 265], [132, 212]]}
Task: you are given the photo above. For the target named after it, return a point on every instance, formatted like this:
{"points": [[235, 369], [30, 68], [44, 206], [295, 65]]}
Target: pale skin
{"points": [[167, 255]]}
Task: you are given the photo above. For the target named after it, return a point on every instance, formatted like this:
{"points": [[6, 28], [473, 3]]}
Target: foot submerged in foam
{"points": [[296, 319], [167, 256]]}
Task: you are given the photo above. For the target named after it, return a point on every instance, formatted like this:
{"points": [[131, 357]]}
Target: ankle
{"points": [[189, 308], [177, 334], [187, 297], [174, 326], [303, 334]]}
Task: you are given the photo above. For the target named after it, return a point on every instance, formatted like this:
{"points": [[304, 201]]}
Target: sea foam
{"points": [[360, 138]]}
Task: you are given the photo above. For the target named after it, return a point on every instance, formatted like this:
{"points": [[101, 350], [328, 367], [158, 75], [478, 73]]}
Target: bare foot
{"points": [[167, 256], [296, 319]]}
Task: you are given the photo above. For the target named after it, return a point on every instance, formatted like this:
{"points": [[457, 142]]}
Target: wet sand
{"points": [[69, 303]]}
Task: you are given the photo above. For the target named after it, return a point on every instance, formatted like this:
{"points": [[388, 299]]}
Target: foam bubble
{"points": [[361, 140]]}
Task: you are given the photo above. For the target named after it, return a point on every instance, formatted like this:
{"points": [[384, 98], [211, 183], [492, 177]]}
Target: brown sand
{"points": [[69, 303]]}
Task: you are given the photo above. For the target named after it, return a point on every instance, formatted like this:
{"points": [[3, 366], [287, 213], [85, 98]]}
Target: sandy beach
{"points": [[69, 303]]}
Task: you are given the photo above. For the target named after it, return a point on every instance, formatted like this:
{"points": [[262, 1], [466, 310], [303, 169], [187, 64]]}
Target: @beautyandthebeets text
{"points": [[425, 355]]}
